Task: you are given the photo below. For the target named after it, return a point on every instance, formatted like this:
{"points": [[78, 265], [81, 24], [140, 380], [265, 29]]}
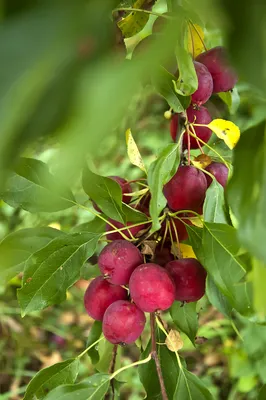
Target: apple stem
{"points": [[156, 358]]}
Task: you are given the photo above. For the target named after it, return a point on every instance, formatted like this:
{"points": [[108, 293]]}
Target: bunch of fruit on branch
{"points": [[135, 281]]}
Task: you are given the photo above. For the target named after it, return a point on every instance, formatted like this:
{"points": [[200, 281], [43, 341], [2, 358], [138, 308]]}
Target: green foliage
{"points": [[185, 318], [190, 387], [95, 333], [214, 204]]}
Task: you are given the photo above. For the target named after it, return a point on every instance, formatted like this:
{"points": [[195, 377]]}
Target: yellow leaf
{"points": [[133, 151], [174, 341], [196, 221], [202, 161], [134, 22], [187, 251], [226, 130], [195, 39]]}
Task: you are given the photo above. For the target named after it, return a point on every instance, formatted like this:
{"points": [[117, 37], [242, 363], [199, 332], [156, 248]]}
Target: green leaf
{"points": [[16, 248], [52, 270], [105, 192], [185, 318], [231, 99], [105, 350], [170, 370], [93, 388], [134, 22], [51, 377], [217, 298], [162, 81], [258, 278], [95, 333], [96, 226], [214, 204], [133, 215], [159, 173], [32, 187], [190, 387], [219, 256], [262, 393], [248, 202]]}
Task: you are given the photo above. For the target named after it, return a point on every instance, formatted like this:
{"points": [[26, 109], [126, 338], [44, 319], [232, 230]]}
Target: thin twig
{"points": [[156, 358], [112, 369]]}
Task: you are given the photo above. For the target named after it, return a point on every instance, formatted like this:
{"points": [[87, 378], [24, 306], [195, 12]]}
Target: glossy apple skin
{"points": [[223, 75], [118, 260], [123, 322], [151, 288], [205, 84], [199, 116], [100, 294], [189, 278], [219, 171], [186, 190]]}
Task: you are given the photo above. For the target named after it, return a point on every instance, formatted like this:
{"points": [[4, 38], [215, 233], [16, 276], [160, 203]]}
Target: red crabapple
{"points": [[151, 288], [223, 75], [219, 171], [164, 255], [189, 278], [174, 126], [199, 116], [176, 226], [205, 85], [118, 260], [117, 235], [186, 190], [99, 295], [123, 322]]}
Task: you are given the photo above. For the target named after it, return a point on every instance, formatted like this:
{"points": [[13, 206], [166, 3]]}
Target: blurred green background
{"points": [[66, 93]]}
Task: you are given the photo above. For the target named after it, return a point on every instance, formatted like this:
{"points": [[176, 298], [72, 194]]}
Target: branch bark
{"points": [[156, 358]]}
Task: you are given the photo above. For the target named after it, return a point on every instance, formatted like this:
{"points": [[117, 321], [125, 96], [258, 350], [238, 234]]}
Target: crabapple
{"points": [[118, 260], [205, 84], [177, 227], [223, 75], [127, 232], [174, 126], [151, 288], [189, 278], [163, 255], [123, 322], [186, 190], [219, 171], [99, 295], [199, 116]]}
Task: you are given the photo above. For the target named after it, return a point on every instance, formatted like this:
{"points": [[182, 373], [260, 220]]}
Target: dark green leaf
{"points": [[170, 370], [95, 226], [163, 83], [190, 387], [231, 99], [105, 350], [89, 271], [195, 237], [31, 186], [17, 247], [217, 298], [133, 215], [159, 173], [52, 270], [248, 201], [262, 393], [51, 377], [185, 318], [214, 204], [93, 388], [105, 192], [95, 333]]}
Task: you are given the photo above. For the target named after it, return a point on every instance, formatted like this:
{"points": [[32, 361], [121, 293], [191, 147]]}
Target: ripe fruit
{"points": [[118, 260], [189, 278], [220, 172], [164, 255], [174, 126], [186, 190], [125, 187], [99, 295], [117, 235], [151, 288], [223, 75], [199, 116], [205, 84], [176, 226], [123, 322]]}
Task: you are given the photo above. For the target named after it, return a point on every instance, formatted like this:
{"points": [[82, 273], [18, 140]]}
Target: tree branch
{"points": [[156, 358]]}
